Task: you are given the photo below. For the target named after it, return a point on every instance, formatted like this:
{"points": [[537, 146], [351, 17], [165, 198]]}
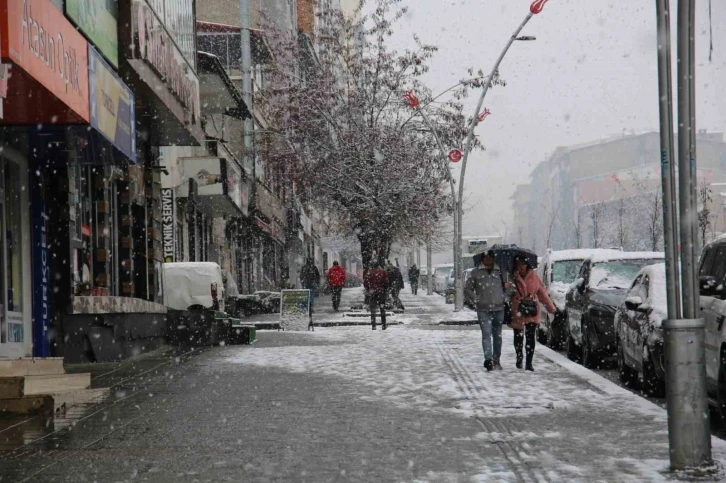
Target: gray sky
{"points": [[591, 73]]}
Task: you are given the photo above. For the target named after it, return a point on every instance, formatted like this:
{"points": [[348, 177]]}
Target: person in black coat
{"points": [[395, 278], [413, 274]]}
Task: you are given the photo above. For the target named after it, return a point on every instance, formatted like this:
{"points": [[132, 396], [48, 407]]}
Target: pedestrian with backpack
{"points": [[488, 287], [376, 284], [310, 279], [529, 295]]}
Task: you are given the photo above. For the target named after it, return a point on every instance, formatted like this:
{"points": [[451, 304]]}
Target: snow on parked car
{"points": [[638, 325]]}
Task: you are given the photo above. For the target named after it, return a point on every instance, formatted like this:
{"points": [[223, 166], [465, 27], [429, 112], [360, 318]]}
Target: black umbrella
{"points": [[504, 256]]}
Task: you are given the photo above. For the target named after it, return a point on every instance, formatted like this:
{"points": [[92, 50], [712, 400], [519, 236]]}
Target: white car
{"points": [[712, 285], [558, 269], [441, 275]]}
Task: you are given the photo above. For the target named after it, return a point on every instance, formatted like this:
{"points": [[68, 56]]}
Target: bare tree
{"points": [[655, 220], [550, 227], [350, 143], [578, 229], [704, 216], [623, 232], [596, 214]]}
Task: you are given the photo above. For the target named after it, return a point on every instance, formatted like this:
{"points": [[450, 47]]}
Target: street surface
{"points": [[412, 404]]}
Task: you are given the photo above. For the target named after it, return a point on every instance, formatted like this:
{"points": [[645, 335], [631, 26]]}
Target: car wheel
{"points": [[588, 359], [721, 399], [652, 386], [542, 335], [627, 375], [573, 351], [554, 338]]}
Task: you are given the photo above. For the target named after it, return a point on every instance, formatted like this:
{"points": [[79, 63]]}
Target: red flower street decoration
{"points": [[537, 6], [411, 98], [483, 115], [455, 155]]}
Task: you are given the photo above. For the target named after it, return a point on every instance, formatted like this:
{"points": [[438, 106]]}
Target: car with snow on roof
{"points": [[558, 269], [638, 326], [591, 301], [712, 288]]}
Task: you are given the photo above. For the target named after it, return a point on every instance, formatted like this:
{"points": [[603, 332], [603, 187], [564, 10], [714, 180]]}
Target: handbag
{"points": [[527, 307]]}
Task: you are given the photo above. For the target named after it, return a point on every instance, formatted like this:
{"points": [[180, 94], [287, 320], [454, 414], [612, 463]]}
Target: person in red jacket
{"points": [[376, 283], [336, 280]]}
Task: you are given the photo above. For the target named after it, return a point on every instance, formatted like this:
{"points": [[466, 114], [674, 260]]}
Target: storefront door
{"points": [[15, 296]]}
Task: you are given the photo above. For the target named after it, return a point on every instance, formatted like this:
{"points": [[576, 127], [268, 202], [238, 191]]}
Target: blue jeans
{"points": [[313, 293], [491, 330]]}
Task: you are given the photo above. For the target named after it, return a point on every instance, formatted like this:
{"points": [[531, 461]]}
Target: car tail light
{"points": [[214, 293]]}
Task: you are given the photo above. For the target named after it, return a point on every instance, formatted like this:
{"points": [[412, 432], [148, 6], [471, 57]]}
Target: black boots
{"points": [[519, 360], [488, 365]]}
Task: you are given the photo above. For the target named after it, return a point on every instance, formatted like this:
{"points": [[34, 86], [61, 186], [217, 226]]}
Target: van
{"points": [[194, 293]]}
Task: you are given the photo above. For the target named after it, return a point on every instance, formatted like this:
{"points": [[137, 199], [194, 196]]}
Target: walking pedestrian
{"points": [[310, 279], [395, 280], [530, 294], [376, 285], [489, 290], [336, 280], [413, 274]]}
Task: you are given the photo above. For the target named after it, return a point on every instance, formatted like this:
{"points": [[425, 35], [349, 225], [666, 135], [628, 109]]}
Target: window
{"points": [[565, 271], [707, 260]]}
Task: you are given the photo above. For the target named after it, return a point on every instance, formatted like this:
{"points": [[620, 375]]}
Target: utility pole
{"points": [[689, 431], [248, 135], [429, 270]]}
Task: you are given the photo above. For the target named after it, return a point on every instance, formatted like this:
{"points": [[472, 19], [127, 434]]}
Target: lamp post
{"points": [[534, 9], [457, 155]]}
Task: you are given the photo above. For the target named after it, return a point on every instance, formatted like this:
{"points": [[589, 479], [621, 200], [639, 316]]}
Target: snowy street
{"points": [[412, 403]]}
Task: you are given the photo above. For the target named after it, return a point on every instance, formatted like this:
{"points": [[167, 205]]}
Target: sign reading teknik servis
{"points": [[112, 105], [295, 309], [98, 20]]}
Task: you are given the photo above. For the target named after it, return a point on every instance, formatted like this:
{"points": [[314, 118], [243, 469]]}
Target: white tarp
{"points": [[190, 283]]}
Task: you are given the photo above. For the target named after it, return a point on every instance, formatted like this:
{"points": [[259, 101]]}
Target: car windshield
{"points": [[565, 271], [442, 272], [617, 273]]}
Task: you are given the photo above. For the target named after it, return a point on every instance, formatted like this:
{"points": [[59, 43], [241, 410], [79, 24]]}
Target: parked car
{"points": [[712, 287], [194, 293], [591, 301], [558, 269], [638, 325], [441, 274]]}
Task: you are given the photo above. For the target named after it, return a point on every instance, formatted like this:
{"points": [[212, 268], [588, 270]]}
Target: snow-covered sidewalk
{"points": [[561, 423]]}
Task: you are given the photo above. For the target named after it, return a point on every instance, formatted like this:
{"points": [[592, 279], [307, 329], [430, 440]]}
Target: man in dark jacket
{"points": [[490, 289], [336, 280], [376, 284], [395, 280], [310, 279], [413, 274]]}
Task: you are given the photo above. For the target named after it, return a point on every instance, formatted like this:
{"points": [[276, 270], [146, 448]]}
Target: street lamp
{"points": [[534, 9]]}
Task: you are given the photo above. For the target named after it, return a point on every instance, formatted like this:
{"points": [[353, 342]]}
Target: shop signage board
{"points": [[38, 38], [112, 105], [41, 271], [168, 218], [219, 184], [236, 186], [156, 47], [99, 21], [295, 310]]}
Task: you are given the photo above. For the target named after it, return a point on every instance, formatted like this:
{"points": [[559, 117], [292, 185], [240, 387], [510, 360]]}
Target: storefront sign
{"points": [[112, 105], [37, 37], [295, 309], [98, 20], [237, 186], [178, 17], [168, 218], [156, 47], [41, 271]]}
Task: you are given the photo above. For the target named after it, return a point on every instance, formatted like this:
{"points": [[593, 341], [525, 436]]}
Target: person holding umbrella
{"points": [[488, 288], [529, 295]]}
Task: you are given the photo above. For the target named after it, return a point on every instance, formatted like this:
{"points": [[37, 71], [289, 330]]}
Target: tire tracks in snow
{"points": [[475, 392]]}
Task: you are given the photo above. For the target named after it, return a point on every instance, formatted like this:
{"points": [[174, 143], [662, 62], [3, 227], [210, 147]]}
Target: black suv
{"points": [[594, 297]]}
